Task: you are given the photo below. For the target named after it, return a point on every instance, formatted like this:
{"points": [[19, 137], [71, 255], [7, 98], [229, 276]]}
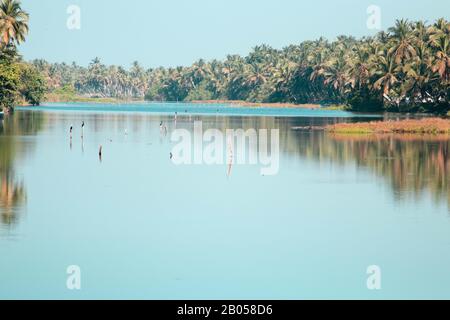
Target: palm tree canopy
{"points": [[13, 22]]}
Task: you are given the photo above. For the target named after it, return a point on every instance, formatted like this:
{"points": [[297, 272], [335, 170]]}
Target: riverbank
{"points": [[68, 97], [257, 104], [421, 126]]}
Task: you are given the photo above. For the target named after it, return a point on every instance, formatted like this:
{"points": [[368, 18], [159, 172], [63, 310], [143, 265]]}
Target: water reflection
{"points": [[410, 165], [13, 193], [12, 198]]}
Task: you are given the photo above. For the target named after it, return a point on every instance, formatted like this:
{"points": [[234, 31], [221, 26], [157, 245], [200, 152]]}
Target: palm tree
{"points": [[403, 41], [440, 28], [440, 41], [441, 63], [359, 66], [13, 22], [280, 80], [335, 73], [318, 58], [419, 76], [386, 73], [409, 64]]}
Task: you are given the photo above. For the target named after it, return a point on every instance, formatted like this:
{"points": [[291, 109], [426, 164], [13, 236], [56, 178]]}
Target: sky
{"points": [[179, 32]]}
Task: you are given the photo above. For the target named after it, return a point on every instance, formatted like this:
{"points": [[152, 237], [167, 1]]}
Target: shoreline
{"points": [[80, 99], [88, 100], [433, 126], [258, 104]]}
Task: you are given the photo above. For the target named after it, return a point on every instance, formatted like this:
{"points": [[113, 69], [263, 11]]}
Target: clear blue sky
{"points": [[178, 32]]}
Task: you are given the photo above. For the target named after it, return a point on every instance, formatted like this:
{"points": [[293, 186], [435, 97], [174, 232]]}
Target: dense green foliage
{"points": [[97, 80], [32, 85], [9, 82], [19, 81], [406, 68]]}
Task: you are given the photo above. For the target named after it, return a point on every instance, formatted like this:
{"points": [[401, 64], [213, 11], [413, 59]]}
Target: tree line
{"points": [[406, 68]]}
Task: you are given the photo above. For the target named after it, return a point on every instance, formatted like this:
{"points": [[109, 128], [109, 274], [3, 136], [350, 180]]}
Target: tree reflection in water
{"points": [[411, 165], [12, 189]]}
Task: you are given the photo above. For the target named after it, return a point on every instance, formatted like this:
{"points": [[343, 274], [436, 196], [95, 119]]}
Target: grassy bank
{"points": [[336, 107], [422, 126], [72, 97], [255, 104]]}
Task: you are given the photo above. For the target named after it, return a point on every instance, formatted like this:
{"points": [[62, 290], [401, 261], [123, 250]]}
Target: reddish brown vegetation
{"points": [[422, 126]]}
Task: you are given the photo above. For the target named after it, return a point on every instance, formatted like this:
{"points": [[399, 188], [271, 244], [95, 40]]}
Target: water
{"points": [[141, 227], [198, 109]]}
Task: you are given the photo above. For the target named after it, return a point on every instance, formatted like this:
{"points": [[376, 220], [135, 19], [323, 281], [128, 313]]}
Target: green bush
{"points": [[32, 84]]}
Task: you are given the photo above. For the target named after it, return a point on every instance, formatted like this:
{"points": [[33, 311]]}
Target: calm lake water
{"points": [[141, 227]]}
